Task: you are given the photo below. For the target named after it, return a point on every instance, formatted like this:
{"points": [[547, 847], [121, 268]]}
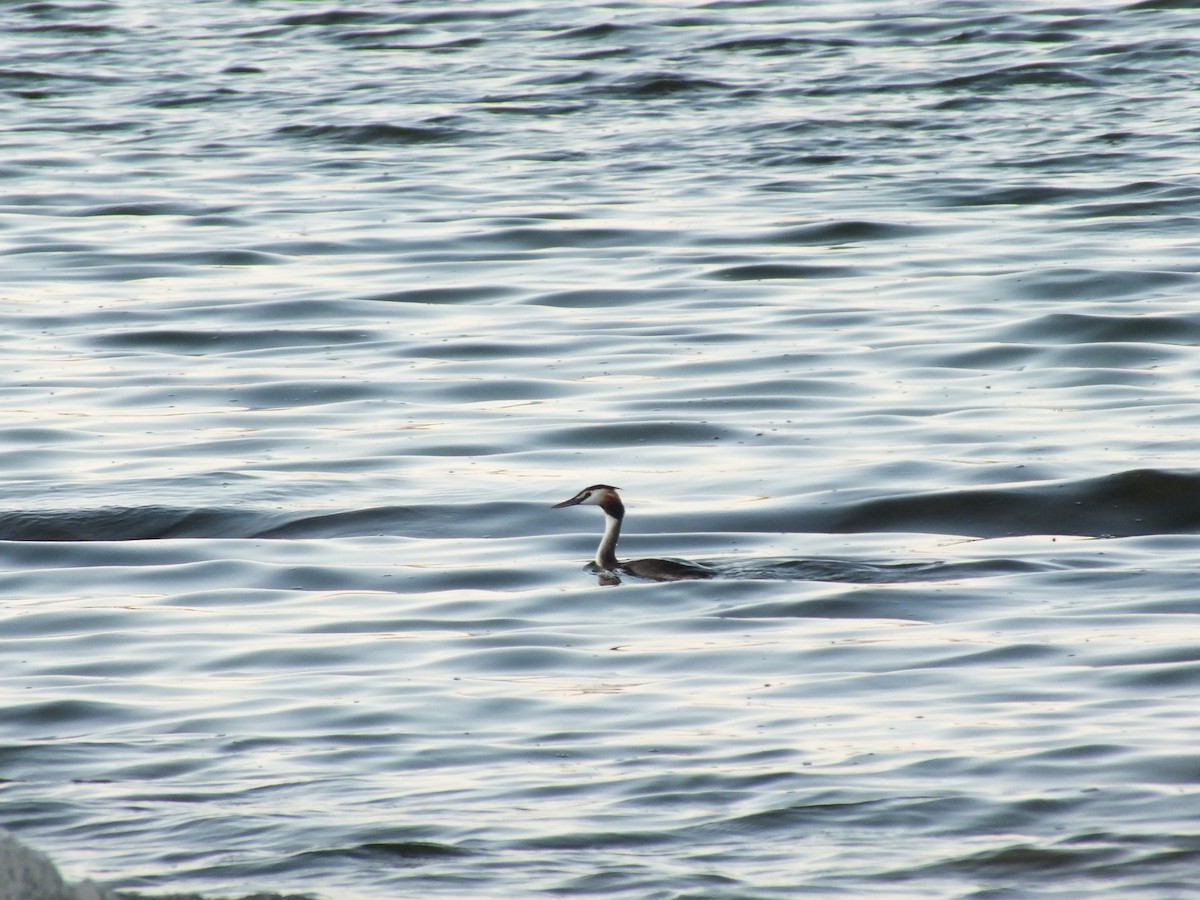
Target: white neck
{"points": [[606, 553]]}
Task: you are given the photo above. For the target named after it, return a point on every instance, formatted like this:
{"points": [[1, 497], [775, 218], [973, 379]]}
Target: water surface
{"points": [[884, 310]]}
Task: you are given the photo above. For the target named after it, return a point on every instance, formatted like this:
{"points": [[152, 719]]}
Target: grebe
{"points": [[605, 496]]}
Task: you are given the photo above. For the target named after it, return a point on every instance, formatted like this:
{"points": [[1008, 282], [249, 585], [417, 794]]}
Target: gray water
{"points": [[886, 311]]}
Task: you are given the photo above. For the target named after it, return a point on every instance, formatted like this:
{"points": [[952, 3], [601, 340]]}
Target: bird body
{"points": [[606, 497]]}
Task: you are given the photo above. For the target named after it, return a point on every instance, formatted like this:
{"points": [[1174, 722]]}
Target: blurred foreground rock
{"points": [[26, 874]]}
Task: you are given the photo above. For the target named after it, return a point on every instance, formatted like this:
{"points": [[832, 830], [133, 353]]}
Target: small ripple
{"points": [[656, 85], [227, 340], [843, 232], [378, 133], [149, 208], [771, 271], [556, 236], [1091, 328], [1026, 74]]}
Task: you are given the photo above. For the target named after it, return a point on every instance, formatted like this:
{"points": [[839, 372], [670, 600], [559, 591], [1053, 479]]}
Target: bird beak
{"points": [[574, 501]]}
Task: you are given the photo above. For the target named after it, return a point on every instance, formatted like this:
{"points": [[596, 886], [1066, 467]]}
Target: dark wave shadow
{"points": [[146, 523], [1125, 504], [853, 571], [140, 523]]}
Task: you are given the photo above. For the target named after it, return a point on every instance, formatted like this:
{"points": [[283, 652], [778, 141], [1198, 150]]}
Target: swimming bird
{"points": [[606, 497]]}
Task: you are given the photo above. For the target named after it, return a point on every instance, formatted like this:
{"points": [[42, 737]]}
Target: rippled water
{"points": [[886, 311]]}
